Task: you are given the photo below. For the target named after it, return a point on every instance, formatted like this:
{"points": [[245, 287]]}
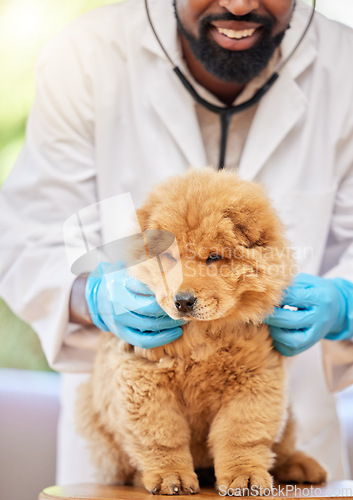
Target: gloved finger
{"points": [[307, 279], [123, 300], [299, 295], [283, 349], [302, 291], [144, 305], [135, 286], [142, 323], [141, 294], [290, 351], [105, 268], [292, 320], [148, 305], [118, 272], [148, 340], [293, 339]]}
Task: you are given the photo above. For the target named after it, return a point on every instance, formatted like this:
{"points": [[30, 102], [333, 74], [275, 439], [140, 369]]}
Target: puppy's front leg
{"points": [[169, 471], [159, 438], [240, 438]]}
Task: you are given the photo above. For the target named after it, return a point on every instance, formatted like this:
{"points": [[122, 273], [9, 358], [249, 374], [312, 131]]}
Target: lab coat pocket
{"points": [[307, 217]]}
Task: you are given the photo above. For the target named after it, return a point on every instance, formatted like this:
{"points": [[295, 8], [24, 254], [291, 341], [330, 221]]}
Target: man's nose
{"points": [[239, 7], [184, 302]]}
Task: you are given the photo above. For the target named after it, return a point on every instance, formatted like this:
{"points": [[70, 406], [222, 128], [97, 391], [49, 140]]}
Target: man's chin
{"points": [[235, 66]]}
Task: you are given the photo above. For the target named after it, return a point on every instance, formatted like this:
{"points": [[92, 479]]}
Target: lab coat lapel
{"points": [[174, 106], [275, 117], [285, 103], [176, 109]]}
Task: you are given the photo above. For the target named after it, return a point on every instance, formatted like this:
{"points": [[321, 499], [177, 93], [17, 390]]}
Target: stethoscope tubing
{"points": [[227, 112]]}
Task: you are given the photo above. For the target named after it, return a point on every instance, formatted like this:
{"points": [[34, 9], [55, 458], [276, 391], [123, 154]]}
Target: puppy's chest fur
{"points": [[200, 371], [196, 377], [216, 356]]}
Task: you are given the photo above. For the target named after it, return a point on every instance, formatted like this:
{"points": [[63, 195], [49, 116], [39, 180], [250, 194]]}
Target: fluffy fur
{"points": [[217, 395]]}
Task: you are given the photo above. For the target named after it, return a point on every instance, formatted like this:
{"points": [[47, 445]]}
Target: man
{"points": [[111, 117]]}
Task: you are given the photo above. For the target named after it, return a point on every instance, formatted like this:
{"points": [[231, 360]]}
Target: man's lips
{"points": [[235, 35], [236, 25]]}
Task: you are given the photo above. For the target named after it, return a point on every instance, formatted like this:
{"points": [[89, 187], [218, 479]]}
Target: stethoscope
{"points": [[226, 113]]}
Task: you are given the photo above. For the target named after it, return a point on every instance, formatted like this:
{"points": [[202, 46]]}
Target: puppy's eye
{"points": [[213, 257]]}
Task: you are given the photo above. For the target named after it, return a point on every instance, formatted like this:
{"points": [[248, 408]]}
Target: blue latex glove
{"points": [[325, 310], [123, 305]]}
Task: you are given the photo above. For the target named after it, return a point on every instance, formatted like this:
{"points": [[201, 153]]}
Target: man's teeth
{"points": [[236, 34]]}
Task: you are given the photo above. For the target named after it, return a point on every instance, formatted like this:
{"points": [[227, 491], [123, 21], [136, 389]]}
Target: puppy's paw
{"points": [[171, 483], [300, 468], [244, 482]]}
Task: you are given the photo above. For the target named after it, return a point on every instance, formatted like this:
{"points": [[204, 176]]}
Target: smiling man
{"points": [[111, 117], [230, 41]]}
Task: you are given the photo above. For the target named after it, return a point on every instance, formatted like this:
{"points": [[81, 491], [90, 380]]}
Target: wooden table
{"points": [[338, 489]]}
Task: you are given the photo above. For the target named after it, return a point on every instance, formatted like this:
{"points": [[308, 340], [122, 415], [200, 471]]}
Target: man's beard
{"points": [[232, 66]]}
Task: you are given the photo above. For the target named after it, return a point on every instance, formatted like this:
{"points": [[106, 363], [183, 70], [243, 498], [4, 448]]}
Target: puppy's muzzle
{"points": [[184, 302]]}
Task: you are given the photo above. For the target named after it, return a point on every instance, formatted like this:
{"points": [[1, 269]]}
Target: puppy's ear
{"points": [[143, 218], [247, 226]]}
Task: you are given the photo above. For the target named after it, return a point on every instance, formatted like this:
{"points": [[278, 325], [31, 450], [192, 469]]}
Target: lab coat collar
{"points": [[164, 21], [285, 103], [176, 108], [275, 116], [306, 52], [173, 104]]}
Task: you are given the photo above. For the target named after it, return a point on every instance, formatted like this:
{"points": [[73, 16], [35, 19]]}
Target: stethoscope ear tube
{"points": [[225, 113]]}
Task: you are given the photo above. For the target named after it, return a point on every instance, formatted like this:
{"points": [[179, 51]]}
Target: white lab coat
{"points": [[110, 117]]}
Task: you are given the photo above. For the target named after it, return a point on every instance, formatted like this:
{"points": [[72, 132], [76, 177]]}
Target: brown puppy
{"points": [[217, 395]]}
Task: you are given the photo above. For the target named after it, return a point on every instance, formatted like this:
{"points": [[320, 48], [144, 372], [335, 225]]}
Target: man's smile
{"points": [[232, 45], [235, 35]]}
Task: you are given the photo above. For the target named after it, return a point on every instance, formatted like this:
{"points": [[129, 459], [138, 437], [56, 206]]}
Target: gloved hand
{"points": [[324, 310], [123, 305]]}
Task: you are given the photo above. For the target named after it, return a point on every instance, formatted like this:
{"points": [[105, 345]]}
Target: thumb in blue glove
{"points": [[323, 309], [123, 305]]}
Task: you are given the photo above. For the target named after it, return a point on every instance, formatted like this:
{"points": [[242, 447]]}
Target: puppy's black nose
{"points": [[184, 302]]}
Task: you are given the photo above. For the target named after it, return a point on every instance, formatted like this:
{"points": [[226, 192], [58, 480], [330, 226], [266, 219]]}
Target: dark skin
{"points": [[190, 13], [226, 92], [78, 309]]}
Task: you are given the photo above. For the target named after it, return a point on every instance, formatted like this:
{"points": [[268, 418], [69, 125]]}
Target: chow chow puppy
{"points": [[216, 396]]}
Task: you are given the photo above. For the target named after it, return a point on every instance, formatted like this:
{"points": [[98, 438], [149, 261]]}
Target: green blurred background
{"points": [[25, 26]]}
